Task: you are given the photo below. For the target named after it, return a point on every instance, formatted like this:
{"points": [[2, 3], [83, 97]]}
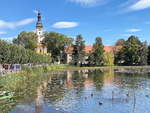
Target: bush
{"points": [[12, 54]]}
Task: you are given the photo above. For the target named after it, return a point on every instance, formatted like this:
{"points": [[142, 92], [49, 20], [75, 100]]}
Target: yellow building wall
{"points": [[41, 49]]}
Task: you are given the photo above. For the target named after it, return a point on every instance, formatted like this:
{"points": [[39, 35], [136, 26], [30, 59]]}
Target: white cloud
{"points": [[140, 5], [11, 25], [88, 2], [133, 30], [2, 32], [65, 24]]}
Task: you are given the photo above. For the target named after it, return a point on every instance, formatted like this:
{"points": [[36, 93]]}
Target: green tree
{"points": [[97, 56], [143, 54], [120, 42], [131, 51], [117, 53], [56, 45], [134, 52], [148, 55], [109, 58], [26, 40], [119, 57], [12, 54], [78, 50]]}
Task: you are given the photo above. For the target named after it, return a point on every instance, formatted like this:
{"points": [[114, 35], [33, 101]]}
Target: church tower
{"points": [[41, 48]]}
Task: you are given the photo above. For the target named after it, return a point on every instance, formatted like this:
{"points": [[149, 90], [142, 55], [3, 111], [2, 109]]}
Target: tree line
{"points": [[97, 57], [13, 54], [132, 51], [56, 43]]}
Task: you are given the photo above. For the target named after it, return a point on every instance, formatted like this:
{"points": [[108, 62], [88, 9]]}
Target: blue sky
{"points": [[109, 19]]}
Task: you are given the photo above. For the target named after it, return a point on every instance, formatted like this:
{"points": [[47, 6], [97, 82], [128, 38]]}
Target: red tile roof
{"points": [[108, 48], [89, 48], [69, 50]]}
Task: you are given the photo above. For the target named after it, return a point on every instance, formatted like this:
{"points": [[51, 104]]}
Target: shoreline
{"points": [[121, 69], [34, 72]]}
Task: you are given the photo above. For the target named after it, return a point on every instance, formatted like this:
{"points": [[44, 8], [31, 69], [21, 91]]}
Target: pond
{"points": [[85, 91]]}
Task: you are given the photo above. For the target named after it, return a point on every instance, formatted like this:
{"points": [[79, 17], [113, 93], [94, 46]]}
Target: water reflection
{"points": [[40, 97], [90, 91], [117, 92], [69, 82]]}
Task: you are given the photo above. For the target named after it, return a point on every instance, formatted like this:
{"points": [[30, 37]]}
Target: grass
{"points": [[14, 81]]}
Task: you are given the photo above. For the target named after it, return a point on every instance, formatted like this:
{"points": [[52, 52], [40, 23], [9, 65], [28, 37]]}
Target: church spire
{"points": [[39, 20]]}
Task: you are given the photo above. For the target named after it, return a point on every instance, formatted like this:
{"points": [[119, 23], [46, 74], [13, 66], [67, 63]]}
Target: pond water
{"points": [[86, 91]]}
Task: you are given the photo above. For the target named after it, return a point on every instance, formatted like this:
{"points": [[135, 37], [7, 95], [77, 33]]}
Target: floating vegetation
{"points": [[6, 100], [6, 95]]}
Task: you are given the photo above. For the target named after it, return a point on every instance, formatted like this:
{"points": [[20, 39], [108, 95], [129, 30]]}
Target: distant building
{"points": [[88, 49], [41, 48]]}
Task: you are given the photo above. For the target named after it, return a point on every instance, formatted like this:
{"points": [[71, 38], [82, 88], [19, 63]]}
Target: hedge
{"points": [[12, 54]]}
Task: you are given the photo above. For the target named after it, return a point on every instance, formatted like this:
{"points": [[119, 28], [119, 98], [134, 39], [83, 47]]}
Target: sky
{"points": [[108, 19]]}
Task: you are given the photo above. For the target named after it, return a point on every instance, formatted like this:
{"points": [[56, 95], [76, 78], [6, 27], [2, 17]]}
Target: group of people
{"points": [[9, 68]]}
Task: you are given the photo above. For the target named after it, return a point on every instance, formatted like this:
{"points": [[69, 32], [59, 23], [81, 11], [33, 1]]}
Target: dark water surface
{"points": [[87, 91]]}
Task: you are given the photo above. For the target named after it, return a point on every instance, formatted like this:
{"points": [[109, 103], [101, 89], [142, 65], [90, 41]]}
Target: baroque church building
{"points": [[41, 48]]}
